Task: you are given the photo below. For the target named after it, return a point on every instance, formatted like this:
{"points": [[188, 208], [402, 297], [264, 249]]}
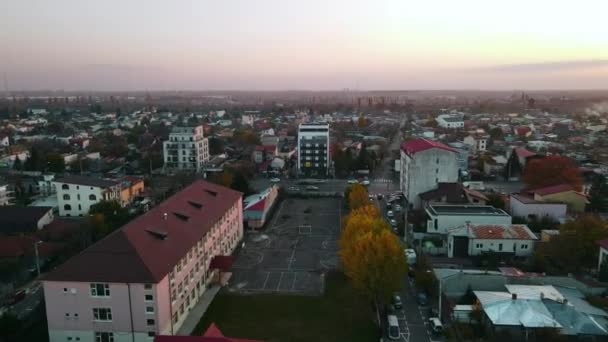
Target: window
{"points": [[150, 321], [100, 290], [69, 338], [92, 197], [65, 290], [104, 336], [175, 317], [67, 315], [435, 223], [149, 309], [524, 246], [479, 245], [500, 247], [149, 298], [65, 187], [151, 333], [102, 314], [66, 197], [67, 207]]}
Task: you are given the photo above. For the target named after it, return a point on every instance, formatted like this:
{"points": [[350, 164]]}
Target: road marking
{"points": [[293, 284], [265, 281], [280, 280]]}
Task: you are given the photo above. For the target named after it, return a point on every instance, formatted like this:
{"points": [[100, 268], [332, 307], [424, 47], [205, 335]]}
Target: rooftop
{"points": [[478, 210], [87, 181], [14, 218], [553, 189], [148, 247], [421, 144]]}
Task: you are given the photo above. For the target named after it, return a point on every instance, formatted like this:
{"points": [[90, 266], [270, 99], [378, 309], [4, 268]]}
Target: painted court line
{"points": [[280, 280], [265, 281], [293, 284]]}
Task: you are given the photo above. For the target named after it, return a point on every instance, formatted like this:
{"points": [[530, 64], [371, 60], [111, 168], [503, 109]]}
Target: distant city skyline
{"points": [[302, 45]]}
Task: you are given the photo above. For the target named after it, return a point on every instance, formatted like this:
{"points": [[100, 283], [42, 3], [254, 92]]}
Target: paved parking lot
{"points": [[292, 254]]}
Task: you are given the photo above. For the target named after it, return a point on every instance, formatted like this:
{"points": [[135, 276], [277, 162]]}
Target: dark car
{"points": [[422, 299]]}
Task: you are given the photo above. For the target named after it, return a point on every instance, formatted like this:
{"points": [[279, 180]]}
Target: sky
{"points": [[303, 45]]}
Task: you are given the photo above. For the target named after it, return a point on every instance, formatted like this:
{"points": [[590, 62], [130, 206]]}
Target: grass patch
{"points": [[340, 315]]}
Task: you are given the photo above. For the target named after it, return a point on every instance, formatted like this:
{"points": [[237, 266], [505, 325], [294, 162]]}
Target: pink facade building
{"points": [[143, 279]]}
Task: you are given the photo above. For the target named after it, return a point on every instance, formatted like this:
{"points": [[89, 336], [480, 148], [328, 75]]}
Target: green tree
{"points": [[107, 216], [598, 195], [216, 146], [55, 162], [496, 201], [240, 183]]}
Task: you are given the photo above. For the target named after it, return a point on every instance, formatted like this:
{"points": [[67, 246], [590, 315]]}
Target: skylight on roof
{"points": [[181, 216], [197, 205]]}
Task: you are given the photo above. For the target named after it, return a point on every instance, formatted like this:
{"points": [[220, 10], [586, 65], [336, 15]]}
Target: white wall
{"points": [[520, 247], [79, 198], [553, 210], [447, 222], [425, 170]]}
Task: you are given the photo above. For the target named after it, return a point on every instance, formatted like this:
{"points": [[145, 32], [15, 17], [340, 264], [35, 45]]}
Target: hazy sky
{"points": [[308, 44]]}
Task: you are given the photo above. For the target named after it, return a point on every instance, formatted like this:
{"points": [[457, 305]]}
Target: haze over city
{"points": [[308, 45]]}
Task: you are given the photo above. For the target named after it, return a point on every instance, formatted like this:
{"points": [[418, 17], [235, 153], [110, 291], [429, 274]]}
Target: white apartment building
{"points": [[314, 159], [474, 239], [187, 149], [443, 217], [424, 164], [477, 143], [6, 195], [76, 194]]}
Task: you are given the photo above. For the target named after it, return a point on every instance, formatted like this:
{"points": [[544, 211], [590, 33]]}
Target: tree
{"points": [[575, 248], [496, 201], [432, 122], [107, 216], [357, 196], [552, 170], [216, 146], [598, 195], [362, 121], [240, 183], [496, 133], [513, 167], [55, 162]]}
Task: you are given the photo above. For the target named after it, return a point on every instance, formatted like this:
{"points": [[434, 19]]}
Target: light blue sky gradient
{"points": [[313, 44]]}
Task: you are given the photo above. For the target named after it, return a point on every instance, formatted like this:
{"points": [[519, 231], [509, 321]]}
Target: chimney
{"points": [[514, 296]]}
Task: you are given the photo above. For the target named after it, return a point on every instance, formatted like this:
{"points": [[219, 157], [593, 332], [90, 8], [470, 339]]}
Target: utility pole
{"points": [[37, 257]]}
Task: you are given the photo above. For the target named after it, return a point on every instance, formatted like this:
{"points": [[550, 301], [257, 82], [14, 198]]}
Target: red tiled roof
{"points": [[17, 246], [418, 145], [222, 262], [499, 232], [213, 334], [137, 253], [553, 189], [522, 152], [260, 205]]}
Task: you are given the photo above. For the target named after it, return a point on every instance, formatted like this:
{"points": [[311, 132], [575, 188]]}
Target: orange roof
{"points": [[499, 232]]}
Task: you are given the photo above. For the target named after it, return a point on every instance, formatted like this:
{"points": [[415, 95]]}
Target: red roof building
{"points": [[213, 334], [418, 145]]}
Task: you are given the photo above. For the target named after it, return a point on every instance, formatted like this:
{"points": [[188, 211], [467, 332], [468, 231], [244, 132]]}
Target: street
{"points": [[33, 298]]}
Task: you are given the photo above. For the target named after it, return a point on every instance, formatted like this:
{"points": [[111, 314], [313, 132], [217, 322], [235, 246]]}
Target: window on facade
{"points": [[102, 314], [175, 317], [151, 333], [67, 207], [500, 247], [104, 336], [100, 290], [65, 187], [149, 309], [149, 298], [148, 286], [150, 321], [479, 245], [92, 197], [66, 197]]}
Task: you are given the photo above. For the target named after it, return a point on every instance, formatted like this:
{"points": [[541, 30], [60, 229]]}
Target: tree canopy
{"points": [[598, 195], [552, 170], [357, 196]]}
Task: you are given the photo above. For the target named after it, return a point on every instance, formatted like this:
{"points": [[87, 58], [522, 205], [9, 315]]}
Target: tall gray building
{"points": [[186, 149], [314, 159]]}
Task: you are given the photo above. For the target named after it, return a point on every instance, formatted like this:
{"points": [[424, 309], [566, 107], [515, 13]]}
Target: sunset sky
{"points": [[311, 44]]}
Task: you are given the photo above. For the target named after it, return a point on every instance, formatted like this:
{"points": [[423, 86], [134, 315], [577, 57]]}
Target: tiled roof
{"points": [[454, 193], [19, 219], [87, 181], [522, 152], [554, 189], [499, 232], [421, 144], [139, 247]]}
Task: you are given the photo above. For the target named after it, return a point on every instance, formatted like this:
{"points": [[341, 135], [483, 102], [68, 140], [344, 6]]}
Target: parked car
{"points": [[393, 327], [352, 181], [397, 301], [390, 214], [436, 326], [366, 182], [393, 223], [275, 180], [312, 188], [422, 299], [410, 255]]}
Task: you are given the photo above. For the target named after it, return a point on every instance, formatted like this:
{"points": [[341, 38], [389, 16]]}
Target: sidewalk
{"points": [[198, 311]]}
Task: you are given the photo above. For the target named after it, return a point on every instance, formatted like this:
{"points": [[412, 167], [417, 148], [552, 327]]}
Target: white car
{"points": [[352, 181], [390, 214], [274, 180], [393, 223], [366, 182]]}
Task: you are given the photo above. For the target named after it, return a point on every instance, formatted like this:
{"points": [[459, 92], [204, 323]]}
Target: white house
{"points": [[76, 194], [477, 143], [442, 218], [475, 239], [524, 206], [603, 254], [451, 121], [424, 164], [4, 140]]}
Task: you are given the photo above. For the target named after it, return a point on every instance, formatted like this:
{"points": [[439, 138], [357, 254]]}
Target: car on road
{"points": [[393, 327], [410, 255], [390, 214], [389, 206], [352, 181], [312, 188], [422, 299], [393, 223], [436, 326], [293, 188], [366, 182], [275, 180], [397, 301]]}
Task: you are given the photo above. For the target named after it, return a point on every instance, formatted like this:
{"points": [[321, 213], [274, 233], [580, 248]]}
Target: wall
{"points": [[553, 210], [507, 246], [575, 201], [446, 222], [425, 170]]}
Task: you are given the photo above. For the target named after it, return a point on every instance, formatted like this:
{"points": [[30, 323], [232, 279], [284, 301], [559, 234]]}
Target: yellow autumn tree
{"points": [[357, 196], [372, 257]]}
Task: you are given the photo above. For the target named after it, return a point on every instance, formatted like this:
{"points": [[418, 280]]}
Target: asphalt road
{"points": [[33, 298]]}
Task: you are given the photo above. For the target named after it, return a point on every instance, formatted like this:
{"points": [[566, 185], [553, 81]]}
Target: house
{"points": [[450, 121], [442, 218], [263, 153], [212, 334], [523, 205], [478, 143], [494, 165], [562, 193], [15, 219], [452, 193], [76, 194], [257, 207], [424, 164], [476, 239], [130, 188], [4, 140], [6, 195], [45, 185], [603, 253], [143, 279]]}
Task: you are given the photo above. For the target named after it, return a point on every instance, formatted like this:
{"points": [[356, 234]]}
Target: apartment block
{"points": [[313, 150], [187, 149]]}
